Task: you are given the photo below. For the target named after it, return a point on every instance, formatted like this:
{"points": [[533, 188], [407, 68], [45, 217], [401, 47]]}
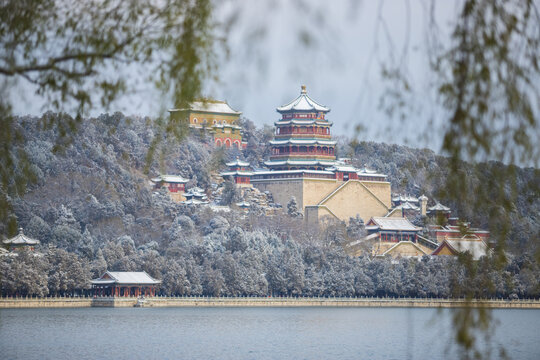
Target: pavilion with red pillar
{"points": [[125, 284]]}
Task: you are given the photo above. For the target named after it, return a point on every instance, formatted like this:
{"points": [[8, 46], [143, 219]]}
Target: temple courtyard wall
{"points": [[320, 198], [365, 199]]}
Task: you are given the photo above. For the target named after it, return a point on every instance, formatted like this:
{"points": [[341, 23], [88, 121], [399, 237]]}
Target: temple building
{"points": [[195, 196], [239, 172], [397, 237], [174, 183], [216, 117], [439, 211], [302, 136], [472, 244], [21, 241], [125, 284], [303, 164], [455, 230], [390, 229]]}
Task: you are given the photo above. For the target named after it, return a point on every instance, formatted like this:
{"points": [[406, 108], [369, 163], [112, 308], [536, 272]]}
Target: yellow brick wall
{"points": [[354, 199], [445, 251], [404, 249], [232, 134], [396, 214], [317, 189], [381, 190], [209, 117]]}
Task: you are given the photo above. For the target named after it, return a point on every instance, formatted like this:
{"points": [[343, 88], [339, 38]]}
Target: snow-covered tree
{"points": [[292, 208]]}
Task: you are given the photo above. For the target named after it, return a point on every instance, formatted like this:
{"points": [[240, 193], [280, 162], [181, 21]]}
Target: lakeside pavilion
{"points": [[125, 284]]}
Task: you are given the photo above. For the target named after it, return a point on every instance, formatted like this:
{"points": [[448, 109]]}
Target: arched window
{"points": [[218, 142], [195, 120], [228, 143]]}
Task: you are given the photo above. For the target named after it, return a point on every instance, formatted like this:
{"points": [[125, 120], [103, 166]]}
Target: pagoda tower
{"points": [[302, 139]]}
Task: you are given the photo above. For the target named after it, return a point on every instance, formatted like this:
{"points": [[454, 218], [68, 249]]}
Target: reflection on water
{"points": [[249, 333]]}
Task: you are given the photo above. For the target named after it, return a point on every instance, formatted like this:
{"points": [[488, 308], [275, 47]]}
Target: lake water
{"points": [[252, 333]]}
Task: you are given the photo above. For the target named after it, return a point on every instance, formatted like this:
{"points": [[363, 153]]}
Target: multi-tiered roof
{"points": [[302, 139], [21, 240]]}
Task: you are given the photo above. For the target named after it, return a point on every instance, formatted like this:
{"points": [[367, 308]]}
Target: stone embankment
{"points": [[60, 302], [263, 302]]}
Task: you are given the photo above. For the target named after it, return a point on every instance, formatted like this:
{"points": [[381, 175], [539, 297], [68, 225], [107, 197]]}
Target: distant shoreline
{"points": [[7, 303]]}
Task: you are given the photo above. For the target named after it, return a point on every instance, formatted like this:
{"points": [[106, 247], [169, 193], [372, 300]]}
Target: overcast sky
{"points": [[334, 48]]}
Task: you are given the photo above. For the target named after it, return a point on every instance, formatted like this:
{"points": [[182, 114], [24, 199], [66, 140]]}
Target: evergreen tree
{"points": [[292, 208]]}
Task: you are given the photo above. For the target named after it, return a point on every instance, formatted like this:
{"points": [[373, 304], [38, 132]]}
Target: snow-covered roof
{"points": [[303, 122], [408, 206], [342, 168], [439, 207], [303, 142], [126, 277], [211, 106], [170, 179], [237, 162], [193, 194], [193, 202], [398, 224], [423, 197], [298, 162], [284, 172], [369, 172], [404, 198], [243, 204], [477, 248], [195, 191], [20, 240], [221, 126], [303, 103], [239, 173]]}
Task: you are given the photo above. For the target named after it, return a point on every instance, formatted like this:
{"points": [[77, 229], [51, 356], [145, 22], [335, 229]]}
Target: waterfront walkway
{"points": [[158, 301]]}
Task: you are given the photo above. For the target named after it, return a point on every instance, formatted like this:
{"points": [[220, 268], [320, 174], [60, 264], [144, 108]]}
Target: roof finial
{"points": [[20, 230], [304, 89]]}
